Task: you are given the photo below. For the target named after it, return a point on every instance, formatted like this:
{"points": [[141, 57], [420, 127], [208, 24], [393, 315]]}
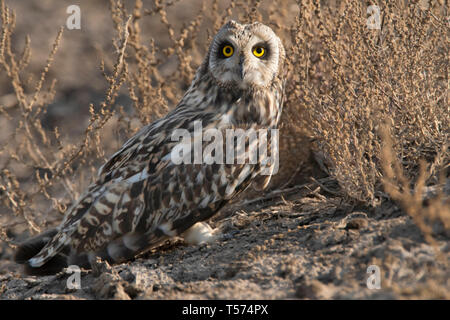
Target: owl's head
{"points": [[245, 55]]}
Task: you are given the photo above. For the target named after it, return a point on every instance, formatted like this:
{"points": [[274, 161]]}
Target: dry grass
{"points": [[344, 81], [351, 78], [399, 188]]}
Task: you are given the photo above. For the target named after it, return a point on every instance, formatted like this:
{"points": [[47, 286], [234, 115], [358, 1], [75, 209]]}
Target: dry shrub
{"points": [[344, 79], [351, 78], [411, 196], [41, 173]]}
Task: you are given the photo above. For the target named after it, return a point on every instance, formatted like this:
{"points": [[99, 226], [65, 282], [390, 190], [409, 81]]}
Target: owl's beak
{"points": [[241, 67]]}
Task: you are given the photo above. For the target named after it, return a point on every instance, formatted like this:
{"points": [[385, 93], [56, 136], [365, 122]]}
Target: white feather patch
{"points": [[166, 228]]}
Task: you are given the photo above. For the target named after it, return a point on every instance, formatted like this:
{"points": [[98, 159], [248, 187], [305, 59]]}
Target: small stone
{"points": [[309, 290], [357, 223]]}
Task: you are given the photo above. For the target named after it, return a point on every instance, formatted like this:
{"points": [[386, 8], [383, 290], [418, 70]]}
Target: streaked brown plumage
{"points": [[141, 197]]}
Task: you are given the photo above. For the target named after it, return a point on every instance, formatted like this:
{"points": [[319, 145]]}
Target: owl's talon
{"points": [[225, 236]]}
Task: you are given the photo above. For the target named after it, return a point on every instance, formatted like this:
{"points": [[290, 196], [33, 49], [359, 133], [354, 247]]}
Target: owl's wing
{"points": [[152, 143], [133, 156], [124, 216]]}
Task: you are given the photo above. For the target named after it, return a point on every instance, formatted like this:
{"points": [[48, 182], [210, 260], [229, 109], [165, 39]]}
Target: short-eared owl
{"points": [[142, 197]]}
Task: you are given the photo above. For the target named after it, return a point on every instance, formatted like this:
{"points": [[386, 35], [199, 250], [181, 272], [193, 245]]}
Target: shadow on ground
{"points": [[299, 244]]}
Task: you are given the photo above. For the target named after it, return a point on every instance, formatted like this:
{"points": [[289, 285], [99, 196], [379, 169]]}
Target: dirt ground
{"points": [[305, 242], [299, 244]]}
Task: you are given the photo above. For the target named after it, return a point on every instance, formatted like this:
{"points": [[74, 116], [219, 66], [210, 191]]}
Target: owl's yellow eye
{"points": [[228, 51], [259, 52]]}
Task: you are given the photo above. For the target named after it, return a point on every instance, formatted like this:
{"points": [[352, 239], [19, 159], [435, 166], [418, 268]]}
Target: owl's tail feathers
{"points": [[32, 247], [54, 265]]}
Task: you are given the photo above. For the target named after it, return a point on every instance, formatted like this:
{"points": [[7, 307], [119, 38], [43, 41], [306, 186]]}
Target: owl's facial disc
{"points": [[244, 56]]}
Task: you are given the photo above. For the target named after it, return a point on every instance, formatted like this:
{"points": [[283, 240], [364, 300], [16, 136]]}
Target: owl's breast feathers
{"points": [[141, 197]]}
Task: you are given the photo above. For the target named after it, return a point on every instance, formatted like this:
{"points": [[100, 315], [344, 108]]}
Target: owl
{"points": [[141, 196]]}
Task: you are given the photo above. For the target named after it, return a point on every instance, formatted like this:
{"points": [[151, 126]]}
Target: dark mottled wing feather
{"points": [[151, 200]]}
